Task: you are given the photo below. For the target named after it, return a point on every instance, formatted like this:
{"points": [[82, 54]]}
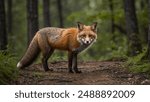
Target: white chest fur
{"points": [[81, 48]]}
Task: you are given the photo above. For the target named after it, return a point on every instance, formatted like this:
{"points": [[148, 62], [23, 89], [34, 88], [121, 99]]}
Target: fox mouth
{"points": [[85, 42]]}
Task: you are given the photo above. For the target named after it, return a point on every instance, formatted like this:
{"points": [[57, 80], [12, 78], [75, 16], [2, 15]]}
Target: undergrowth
{"points": [[112, 47], [137, 64], [8, 70]]}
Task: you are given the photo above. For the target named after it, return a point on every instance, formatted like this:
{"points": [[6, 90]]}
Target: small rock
{"points": [[130, 75], [145, 82], [101, 65], [129, 79]]}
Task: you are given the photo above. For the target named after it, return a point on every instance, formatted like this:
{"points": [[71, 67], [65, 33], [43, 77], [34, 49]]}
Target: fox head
{"points": [[86, 34]]}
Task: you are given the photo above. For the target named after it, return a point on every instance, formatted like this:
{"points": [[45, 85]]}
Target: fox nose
{"points": [[87, 42]]}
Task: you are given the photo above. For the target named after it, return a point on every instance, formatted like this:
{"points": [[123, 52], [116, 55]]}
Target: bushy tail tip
{"points": [[19, 65]]}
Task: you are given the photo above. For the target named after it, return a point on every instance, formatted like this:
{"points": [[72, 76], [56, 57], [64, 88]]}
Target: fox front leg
{"points": [[70, 58], [75, 66]]}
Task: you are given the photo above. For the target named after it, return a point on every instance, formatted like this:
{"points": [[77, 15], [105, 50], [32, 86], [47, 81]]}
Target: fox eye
{"points": [[83, 36], [90, 36]]}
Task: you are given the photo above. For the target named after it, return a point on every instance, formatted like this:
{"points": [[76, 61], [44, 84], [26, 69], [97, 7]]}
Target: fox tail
{"points": [[30, 55]]}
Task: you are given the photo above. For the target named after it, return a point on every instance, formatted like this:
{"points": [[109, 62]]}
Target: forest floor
{"points": [[93, 73]]}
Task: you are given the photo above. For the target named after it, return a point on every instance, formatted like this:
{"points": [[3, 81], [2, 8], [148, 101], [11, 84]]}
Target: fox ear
{"points": [[94, 27], [80, 26]]}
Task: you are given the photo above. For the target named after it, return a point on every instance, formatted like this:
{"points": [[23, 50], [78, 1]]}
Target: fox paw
{"points": [[51, 70], [48, 70], [70, 71], [77, 71]]}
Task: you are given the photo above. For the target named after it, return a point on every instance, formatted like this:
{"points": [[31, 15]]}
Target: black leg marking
{"points": [[70, 57], [44, 62], [45, 58], [75, 67]]}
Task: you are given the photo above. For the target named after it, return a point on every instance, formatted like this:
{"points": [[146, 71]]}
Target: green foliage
{"points": [[137, 64], [58, 56], [112, 48], [8, 70], [108, 46]]}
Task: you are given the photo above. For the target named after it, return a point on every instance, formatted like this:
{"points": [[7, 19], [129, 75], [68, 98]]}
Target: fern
{"points": [[8, 70]]}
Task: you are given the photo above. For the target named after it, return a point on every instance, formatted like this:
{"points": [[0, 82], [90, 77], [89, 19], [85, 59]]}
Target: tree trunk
{"points": [[143, 7], [59, 5], [134, 45], [3, 33], [143, 4], [9, 15], [46, 13], [32, 18], [148, 50], [112, 16]]}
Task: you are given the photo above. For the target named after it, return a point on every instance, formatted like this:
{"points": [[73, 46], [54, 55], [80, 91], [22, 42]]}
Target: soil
{"points": [[93, 73]]}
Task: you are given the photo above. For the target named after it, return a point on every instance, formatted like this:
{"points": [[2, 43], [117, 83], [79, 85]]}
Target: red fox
{"points": [[73, 40]]}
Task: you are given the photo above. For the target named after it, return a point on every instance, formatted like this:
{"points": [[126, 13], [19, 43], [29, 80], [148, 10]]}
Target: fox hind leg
{"points": [[46, 56]]}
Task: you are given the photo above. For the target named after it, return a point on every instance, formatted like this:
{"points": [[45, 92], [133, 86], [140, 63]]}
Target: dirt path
{"points": [[93, 73]]}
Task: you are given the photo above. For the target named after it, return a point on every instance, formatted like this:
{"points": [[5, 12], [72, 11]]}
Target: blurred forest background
{"points": [[123, 29]]}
